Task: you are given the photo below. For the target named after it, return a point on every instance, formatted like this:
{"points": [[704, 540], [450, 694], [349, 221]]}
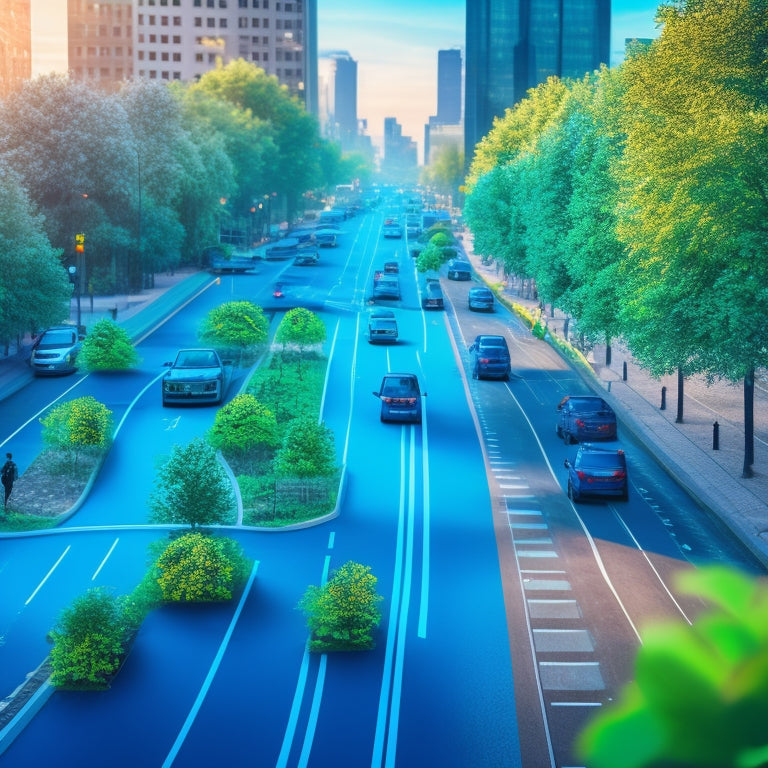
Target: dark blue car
{"points": [[597, 472], [400, 397], [583, 417]]}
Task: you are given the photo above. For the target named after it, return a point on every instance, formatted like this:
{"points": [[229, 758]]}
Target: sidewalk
{"points": [[685, 450], [137, 313]]}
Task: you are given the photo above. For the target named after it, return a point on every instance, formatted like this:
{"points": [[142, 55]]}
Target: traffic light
{"points": [[80, 243]]}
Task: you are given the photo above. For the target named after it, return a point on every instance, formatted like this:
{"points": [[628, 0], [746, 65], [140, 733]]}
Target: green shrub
{"points": [[107, 348], [89, 642], [242, 425], [308, 450], [342, 614], [197, 568], [78, 424], [240, 325]]}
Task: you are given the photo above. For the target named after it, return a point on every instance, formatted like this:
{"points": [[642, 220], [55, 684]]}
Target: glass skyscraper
{"points": [[514, 45]]}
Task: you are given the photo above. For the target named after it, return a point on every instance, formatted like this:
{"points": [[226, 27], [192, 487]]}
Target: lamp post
{"points": [[74, 278]]}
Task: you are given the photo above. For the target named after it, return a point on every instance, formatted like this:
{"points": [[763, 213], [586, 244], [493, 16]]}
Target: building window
{"points": [[222, 22], [141, 55], [177, 56], [116, 31], [242, 22], [153, 38], [199, 57], [163, 21], [210, 22], [164, 56], [164, 39], [254, 22], [198, 4], [198, 21], [177, 38], [164, 75], [255, 56], [222, 3], [153, 55], [177, 21], [265, 24]]}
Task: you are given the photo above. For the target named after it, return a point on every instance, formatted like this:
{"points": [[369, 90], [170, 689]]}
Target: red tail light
{"points": [[619, 474], [579, 422]]}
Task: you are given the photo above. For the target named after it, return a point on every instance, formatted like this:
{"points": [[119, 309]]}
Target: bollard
{"points": [[663, 398], [715, 437], [113, 312], [624, 371]]}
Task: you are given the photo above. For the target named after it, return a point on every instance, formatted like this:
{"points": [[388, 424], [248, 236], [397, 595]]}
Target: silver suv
{"points": [[55, 350]]}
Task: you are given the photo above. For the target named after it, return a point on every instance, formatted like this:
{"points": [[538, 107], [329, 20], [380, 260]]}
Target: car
{"points": [[480, 299], [400, 397], [597, 471], [386, 287], [432, 295], [392, 229], [195, 376], [489, 357], [458, 269], [306, 259], [382, 327], [585, 417], [55, 350], [326, 237], [391, 268]]}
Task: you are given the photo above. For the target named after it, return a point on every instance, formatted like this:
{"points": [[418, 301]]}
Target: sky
{"points": [[395, 44]]}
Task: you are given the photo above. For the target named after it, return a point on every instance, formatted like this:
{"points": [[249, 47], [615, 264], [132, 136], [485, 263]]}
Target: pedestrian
{"points": [[10, 474]]}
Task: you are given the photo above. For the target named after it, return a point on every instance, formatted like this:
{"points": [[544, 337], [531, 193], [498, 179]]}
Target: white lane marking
{"points": [[425, 540], [214, 668], [47, 575], [43, 410], [134, 401], [394, 607], [397, 683], [106, 557], [314, 712], [327, 372]]}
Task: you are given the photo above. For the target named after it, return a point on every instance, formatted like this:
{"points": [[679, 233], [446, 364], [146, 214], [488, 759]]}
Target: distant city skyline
{"points": [[395, 43]]}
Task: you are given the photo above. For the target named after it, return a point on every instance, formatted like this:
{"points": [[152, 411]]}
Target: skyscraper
{"points": [[448, 87], [514, 45], [15, 44], [337, 77]]}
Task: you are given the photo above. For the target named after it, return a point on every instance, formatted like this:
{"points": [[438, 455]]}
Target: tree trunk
{"points": [[680, 393], [749, 422]]}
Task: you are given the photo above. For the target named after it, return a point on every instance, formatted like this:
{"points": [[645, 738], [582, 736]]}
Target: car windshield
{"points": [[196, 358], [58, 338], [399, 386]]}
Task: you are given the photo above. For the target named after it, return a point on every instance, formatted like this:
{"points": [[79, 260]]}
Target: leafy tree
{"points": [[700, 697], [242, 425], [196, 568], [89, 642], [77, 424], [343, 614], [34, 287], [300, 328], [445, 172], [430, 259], [108, 348], [192, 487], [237, 324], [308, 450]]}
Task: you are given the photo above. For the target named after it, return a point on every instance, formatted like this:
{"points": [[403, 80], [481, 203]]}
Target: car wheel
{"points": [[506, 376], [474, 372], [625, 494], [572, 495], [566, 437], [559, 431]]}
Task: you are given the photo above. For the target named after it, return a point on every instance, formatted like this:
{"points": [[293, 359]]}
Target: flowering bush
{"points": [[196, 568], [243, 423], [107, 348]]}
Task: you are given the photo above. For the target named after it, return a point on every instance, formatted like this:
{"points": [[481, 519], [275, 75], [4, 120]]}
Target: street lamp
{"points": [[74, 278]]}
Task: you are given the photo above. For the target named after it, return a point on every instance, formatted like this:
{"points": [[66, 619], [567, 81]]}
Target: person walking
{"points": [[10, 473]]}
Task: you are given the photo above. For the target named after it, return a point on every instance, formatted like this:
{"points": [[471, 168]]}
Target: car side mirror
{"points": [[167, 364], [567, 464], [471, 347], [377, 394]]}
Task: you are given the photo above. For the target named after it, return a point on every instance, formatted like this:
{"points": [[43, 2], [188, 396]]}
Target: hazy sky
{"points": [[395, 44]]}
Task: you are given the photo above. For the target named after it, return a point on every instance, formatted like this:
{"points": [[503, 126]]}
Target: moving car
{"points": [[196, 376], [325, 238], [400, 397], [480, 299], [583, 417], [382, 327], [432, 295], [391, 268], [55, 350], [597, 472], [306, 259], [489, 357], [458, 269], [386, 286], [392, 229]]}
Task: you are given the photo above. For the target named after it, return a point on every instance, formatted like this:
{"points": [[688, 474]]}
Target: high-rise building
{"points": [[448, 87], [445, 128], [337, 90], [100, 41], [183, 39], [400, 158], [514, 45], [15, 44]]}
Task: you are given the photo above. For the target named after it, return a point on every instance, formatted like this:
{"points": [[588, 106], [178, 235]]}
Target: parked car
{"points": [[195, 376], [481, 299], [489, 357], [382, 327], [400, 397], [458, 269], [432, 295], [55, 350], [597, 472], [582, 417], [386, 287]]}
